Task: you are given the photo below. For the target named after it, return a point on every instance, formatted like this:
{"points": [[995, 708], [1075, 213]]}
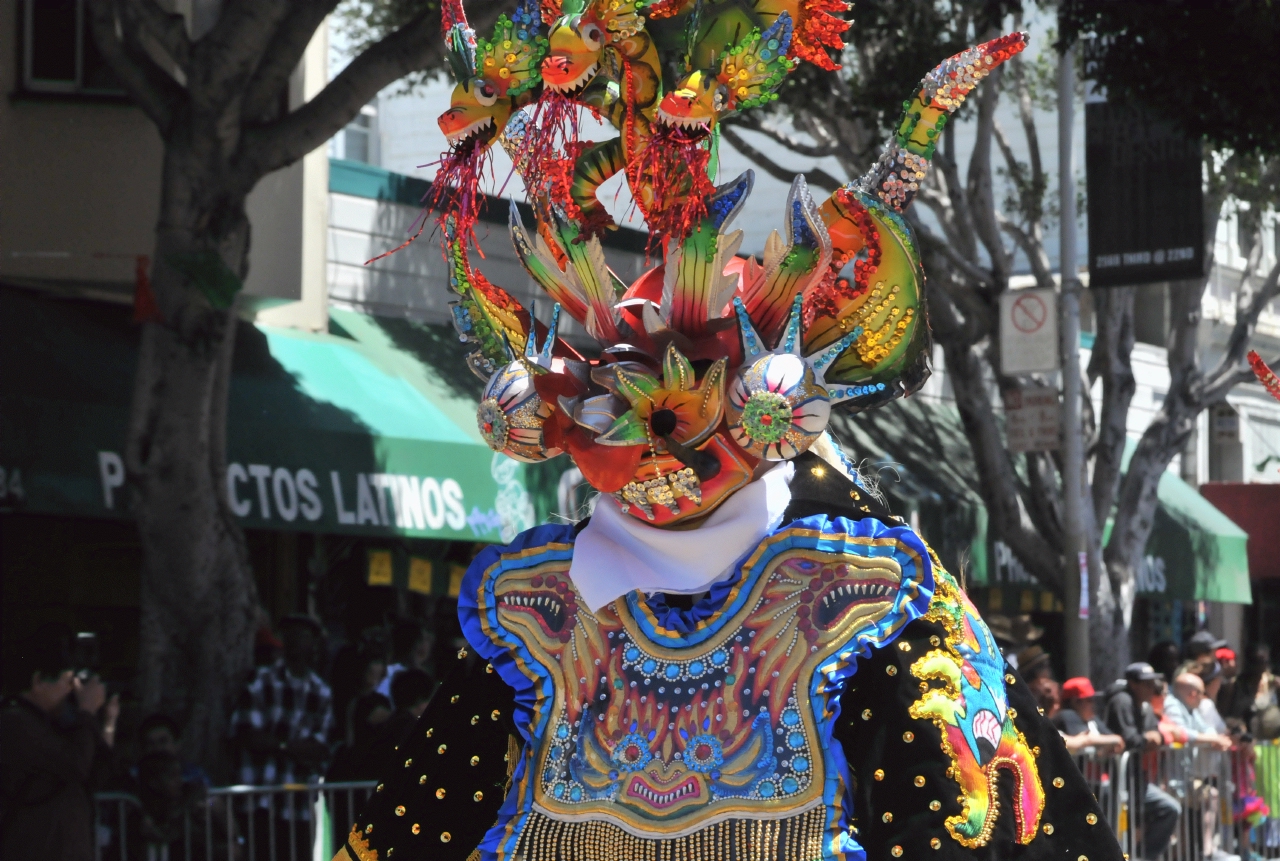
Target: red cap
{"points": [[1078, 688], [1225, 655]]}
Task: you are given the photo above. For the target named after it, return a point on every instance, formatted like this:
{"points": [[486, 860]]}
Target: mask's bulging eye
{"points": [[486, 95], [703, 753], [592, 36], [632, 752]]}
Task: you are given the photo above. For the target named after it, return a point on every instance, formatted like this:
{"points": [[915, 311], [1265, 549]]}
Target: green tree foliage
{"points": [[1209, 67]]}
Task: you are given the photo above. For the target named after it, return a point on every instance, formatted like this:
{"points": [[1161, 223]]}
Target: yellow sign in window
{"points": [[420, 571], [380, 573]]}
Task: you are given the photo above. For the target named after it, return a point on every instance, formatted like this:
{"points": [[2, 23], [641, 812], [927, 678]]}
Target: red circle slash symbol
{"points": [[1028, 313]]}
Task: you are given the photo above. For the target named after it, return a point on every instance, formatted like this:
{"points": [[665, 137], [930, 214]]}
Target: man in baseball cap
{"points": [[1077, 722], [1129, 715]]}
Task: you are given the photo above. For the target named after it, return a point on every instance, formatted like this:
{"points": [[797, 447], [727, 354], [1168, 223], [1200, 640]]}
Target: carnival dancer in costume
{"points": [[742, 654]]}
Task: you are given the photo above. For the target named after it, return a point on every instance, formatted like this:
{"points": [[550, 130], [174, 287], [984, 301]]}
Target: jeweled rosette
{"points": [[776, 408]]}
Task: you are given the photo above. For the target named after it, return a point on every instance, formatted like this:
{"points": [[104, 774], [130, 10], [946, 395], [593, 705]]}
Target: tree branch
{"points": [[228, 55], [1111, 361], [148, 85], [262, 94], [980, 187], [755, 124], [815, 176], [416, 45], [169, 29], [1032, 248], [1248, 309]]}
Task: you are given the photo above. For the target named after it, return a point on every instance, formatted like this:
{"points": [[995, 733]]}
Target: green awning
{"points": [[1195, 552], [366, 429]]}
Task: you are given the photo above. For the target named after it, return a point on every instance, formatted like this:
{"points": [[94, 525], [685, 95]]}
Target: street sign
{"points": [[1028, 331], [1145, 198], [1032, 418]]}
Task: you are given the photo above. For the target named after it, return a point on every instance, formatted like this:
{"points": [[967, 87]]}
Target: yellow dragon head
{"points": [[495, 77]]}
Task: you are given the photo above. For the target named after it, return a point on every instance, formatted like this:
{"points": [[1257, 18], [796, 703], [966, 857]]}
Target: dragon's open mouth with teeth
{"points": [[681, 129], [547, 608], [639, 789], [838, 598]]}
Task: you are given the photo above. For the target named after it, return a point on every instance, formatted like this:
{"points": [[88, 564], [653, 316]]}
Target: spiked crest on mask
{"points": [[710, 365]]}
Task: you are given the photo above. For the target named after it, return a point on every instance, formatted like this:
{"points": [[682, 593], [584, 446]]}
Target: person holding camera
{"points": [[49, 740]]}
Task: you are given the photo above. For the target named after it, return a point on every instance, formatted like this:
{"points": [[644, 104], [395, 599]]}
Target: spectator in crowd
{"points": [[1230, 672], [49, 740], [158, 733], [174, 812], [1130, 716], [411, 645], [355, 759], [1165, 657], [1200, 650], [361, 757], [1045, 690], [1256, 695], [1183, 706], [358, 669], [411, 691], [283, 719], [1033, 663], [282, 725], [1077, 720]]}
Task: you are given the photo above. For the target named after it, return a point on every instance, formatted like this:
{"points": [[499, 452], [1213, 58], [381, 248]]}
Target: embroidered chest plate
{"points": [[663, 733]]}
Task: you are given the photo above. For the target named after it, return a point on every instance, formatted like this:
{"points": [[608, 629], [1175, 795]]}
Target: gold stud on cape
{"points": [[891, 670], [400, 810], [475, 760], [935, 843], [879, 775], [896, 852], [919, 780], [1092, 819], [445, 837], [908, 736], [440, 793], [1058, 783], [442, 748], [1048, 828], [416, 829]]}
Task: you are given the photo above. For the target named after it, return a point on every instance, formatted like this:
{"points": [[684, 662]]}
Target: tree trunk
{"points": [[1164, 438], [198, 596]]}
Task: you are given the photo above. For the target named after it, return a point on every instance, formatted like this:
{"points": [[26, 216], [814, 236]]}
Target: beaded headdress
{"points": [[710, 365]]}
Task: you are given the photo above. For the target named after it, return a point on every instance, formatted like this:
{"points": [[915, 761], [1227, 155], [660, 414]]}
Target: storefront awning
{"points": [[366, 429], [1195, 552]]}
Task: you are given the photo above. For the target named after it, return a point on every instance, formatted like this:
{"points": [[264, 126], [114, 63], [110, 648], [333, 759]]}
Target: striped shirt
{"points": [[289, 708]]}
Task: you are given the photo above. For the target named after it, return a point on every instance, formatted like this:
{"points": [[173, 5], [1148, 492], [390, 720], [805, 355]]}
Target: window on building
{"points": [[59, 54], [359, 140]]}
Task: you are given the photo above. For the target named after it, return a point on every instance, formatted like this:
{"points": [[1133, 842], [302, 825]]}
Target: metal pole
{"points": [[1076, 571]]}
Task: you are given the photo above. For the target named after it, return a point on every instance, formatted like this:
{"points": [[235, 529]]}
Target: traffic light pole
{"points": [[1074, 545]]}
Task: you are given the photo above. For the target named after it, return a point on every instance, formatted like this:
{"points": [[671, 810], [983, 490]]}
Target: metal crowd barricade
{"points": [[291, 822], [1228, 804]]}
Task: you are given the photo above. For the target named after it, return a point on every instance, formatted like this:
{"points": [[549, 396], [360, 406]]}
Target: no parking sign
{"points": [[1028, 331]]}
